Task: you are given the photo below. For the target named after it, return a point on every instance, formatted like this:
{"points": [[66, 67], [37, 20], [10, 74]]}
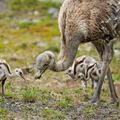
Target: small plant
{"points": [[4, 114], [44, 96], [65, 103], [90, 110], [50, 114], [30, 94], [2, 100]]}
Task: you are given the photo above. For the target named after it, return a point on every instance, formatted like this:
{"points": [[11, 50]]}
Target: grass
{"points": [[31, 5], [50, 114], [90, 110], [2, 100], [4, 114], [30, 94], [65, 103]]}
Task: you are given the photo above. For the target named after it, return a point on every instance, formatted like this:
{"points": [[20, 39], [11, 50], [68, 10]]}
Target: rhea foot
{"points": [[95, 101], [115, 101]]}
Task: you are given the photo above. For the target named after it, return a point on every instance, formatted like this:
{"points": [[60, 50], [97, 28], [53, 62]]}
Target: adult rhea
{"points": [[82, 21]]}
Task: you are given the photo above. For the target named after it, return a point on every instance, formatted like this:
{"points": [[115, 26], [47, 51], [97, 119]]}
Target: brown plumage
{"points": [[94, 19]]}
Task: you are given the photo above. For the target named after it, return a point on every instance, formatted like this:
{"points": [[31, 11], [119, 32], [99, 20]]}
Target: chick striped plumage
{"points": [[85, 68]]}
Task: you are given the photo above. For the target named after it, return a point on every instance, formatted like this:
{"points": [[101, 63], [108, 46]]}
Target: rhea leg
{"points": [[105, 50], [95, 84], [99, 48], [96, 96], [3, 87], [114, 96]]}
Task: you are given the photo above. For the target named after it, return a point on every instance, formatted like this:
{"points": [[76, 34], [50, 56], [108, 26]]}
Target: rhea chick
{"points": [[85, 68], [5, 72]]}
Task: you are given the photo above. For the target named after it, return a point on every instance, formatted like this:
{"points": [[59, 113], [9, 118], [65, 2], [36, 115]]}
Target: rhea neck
{"points": [[62, 64]]}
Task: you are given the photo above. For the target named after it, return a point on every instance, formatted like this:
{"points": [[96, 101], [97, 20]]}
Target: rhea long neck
{"points": [[65, 62], [60, 65]]}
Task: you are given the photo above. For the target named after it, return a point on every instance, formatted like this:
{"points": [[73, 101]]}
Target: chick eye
{"points": [[79, 76], [69, 71], [81, 66], [99, 71]]}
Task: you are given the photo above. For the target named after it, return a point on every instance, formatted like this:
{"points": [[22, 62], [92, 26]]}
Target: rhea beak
{"points": [[40, 72], [38, 75]]}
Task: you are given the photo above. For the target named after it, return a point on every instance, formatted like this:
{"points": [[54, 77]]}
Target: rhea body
{"points": [[85, 68], [6, 72], [82, 21]]}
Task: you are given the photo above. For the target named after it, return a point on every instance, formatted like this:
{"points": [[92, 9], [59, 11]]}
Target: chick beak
{"points": [[22, 76]]}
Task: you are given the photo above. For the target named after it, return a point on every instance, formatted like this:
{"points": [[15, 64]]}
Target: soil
{"points": [[103, 111]]}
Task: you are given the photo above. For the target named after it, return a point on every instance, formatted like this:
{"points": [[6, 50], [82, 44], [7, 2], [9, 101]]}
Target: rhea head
{"points": [[44, 61]]}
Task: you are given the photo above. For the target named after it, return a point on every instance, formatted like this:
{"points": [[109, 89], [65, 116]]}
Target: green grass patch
{"points": [[65, 103], [2, 100], [4, 114], [50, 114], [30, 94], [25, 24], [47, 28], [23, 5], [45, 96], [90, 110]]}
